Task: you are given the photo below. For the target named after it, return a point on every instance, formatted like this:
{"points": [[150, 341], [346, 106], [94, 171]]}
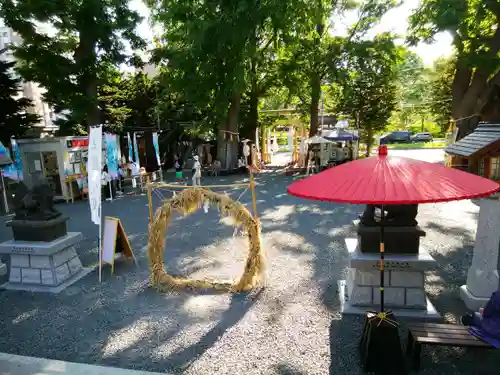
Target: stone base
{"points": [[472, 302], [46, 288], [403, 280], [43, 266], [428, 313]]}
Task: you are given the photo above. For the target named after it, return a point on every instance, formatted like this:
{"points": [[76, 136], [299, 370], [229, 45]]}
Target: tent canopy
{"points": [[339, 135]]}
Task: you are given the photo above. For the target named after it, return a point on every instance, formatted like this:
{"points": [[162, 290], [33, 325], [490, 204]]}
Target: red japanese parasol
{"points": [[388, 180], [385, 179]]}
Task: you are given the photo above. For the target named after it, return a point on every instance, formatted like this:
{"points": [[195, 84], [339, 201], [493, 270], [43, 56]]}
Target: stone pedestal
{"points": [[404, 283], [482, 277], [44, 266], [3, 268]]}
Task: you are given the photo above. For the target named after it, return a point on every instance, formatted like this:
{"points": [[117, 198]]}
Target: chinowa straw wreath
{"points": [[187, 202]]}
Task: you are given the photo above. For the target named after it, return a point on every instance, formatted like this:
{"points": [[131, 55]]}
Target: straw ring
{"points": [[187, 202]]}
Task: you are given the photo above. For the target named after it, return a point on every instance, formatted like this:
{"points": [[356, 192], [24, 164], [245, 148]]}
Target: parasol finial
{"points": [[382, 150]]}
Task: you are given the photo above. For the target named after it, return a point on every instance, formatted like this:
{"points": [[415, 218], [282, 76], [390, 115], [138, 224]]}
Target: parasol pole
{"points": [[382, 258]]}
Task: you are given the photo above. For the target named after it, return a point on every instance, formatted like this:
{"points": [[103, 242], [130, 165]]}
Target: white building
{"points": [[30, 90]]}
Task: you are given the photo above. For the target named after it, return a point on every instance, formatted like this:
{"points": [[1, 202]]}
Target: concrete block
{"points": [[30, 276], [392, 296], [48, 277], [415, 298], [62, 257], [39, 261], [15, 275], [19, 260], [371, 278], [74, 265], [62, 273], [361, 295], [407, 279]]}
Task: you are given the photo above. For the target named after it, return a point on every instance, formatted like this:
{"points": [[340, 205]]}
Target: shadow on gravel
{"points": [[240, 304]]}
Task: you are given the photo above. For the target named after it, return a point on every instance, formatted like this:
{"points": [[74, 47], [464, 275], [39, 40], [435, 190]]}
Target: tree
{"points": [[314, 58], [221, 52], [67, 44], [440, 82], [475, 27], [412, 90], [369, 90], [15, 119]]}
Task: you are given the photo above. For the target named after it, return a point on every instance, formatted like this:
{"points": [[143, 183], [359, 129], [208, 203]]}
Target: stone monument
{"points": [[43, 256], [482, 277], [401, 231], [405, 264]]}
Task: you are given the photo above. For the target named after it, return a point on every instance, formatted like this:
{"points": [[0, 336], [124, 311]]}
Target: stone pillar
{"points": [[482, 277]]}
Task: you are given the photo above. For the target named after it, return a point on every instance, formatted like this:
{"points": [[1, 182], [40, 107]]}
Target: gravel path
{"points": [[290, 327]]}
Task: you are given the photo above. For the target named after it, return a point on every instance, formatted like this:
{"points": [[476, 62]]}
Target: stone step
{"points": [[20, 365]]}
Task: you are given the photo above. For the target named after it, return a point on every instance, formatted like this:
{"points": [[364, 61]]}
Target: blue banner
{"points": [[130, 152], [18, 161], [157, 148], [111, 155], [10, 170], [136, 152]]}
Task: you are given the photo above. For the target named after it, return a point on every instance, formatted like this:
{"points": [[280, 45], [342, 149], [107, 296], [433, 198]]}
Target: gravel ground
{"points": [[291, 327]]}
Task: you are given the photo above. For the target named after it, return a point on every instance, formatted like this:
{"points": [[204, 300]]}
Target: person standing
{"points": [[196, 171]]}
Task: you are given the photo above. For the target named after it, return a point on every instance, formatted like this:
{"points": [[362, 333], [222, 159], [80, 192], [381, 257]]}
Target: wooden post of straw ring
{"points": [[150, 198], [254, 198]]}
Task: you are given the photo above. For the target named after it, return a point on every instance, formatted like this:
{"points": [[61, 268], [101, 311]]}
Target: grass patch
{"points": [[410, 146]]}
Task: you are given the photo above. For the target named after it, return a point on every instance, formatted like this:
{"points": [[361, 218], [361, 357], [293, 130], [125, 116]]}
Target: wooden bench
{"points": [[438, 334]]}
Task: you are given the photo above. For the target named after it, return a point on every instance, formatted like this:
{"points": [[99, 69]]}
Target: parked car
{"points": [[422, 137], [399, 136]]}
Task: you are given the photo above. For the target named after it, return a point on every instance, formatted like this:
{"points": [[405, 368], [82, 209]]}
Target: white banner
{"points": [[94, 173]]}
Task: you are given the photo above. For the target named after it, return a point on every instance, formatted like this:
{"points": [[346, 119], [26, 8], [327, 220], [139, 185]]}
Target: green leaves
{"points": [[475, 27], [369, 89], [85, 37]]}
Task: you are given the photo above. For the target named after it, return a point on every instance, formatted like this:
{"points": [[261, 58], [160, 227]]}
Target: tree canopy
{"points": [[67, 45], [475, 27], [221, 62]]}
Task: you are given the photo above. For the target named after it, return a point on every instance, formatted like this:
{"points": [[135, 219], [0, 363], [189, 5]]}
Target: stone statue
{"points": [[36, 204], [396, 215]]}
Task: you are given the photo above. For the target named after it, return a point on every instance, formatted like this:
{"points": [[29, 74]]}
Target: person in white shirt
{"points": [[196, 171]]}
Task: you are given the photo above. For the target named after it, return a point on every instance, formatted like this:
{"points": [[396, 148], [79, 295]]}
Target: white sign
{"points": [[94, 173], [109, 240]]}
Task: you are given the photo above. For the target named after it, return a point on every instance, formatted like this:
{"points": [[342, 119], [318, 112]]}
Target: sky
{"points": [[396, 21]]}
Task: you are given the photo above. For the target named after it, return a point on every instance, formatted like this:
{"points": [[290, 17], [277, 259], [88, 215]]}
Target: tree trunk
{"points": [[227, 140], [315, 98], [85, 56], [369, 140]]}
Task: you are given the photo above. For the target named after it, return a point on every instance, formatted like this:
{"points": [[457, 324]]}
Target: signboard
{"points": [[94, 173], [114, 240], [75, 143]]}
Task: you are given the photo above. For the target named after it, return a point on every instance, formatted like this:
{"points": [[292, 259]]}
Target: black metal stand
{"points": [[380, 346]]}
